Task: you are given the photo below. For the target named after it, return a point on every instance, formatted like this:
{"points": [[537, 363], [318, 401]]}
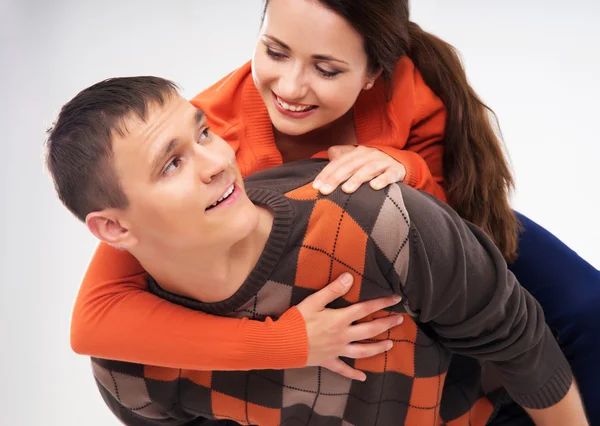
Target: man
{"points": [[212, 242]]}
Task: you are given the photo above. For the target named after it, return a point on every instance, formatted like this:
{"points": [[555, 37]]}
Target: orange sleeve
{"points": [[424, 150], [115, 317], [417, 109]]}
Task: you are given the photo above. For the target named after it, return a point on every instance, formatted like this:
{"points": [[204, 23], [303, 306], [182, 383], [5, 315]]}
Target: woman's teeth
{"points": [[293, 108], [224, 196]]}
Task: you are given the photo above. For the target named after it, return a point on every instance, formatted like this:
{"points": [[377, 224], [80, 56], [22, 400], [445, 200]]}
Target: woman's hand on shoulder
{"points": [[351, 166]]}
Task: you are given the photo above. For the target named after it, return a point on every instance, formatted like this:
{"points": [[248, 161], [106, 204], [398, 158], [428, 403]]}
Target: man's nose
{"points": [[211, 164]]}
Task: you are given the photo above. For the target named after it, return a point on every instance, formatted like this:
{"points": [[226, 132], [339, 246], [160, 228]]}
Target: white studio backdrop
{"points": [[536, 63]]}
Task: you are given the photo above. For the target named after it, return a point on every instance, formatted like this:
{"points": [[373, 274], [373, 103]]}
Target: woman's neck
{"points": [[339, 132]]}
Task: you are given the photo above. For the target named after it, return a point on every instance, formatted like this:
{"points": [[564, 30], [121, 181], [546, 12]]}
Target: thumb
{"points": [[337, 288]]}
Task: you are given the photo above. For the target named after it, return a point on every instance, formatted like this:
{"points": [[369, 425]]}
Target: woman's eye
{"points": [[172, 166], [325, 73], [274, 55]]}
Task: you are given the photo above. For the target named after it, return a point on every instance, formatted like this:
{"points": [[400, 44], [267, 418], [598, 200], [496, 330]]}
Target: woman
{"points": [[332, 75]]}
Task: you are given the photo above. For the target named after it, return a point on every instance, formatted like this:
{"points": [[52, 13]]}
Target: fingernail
{"points": [[348, 187], [346, 279], [389, 346], [396, 298], [326, 189], [363, 378], [376, 185], [317, 184], [400, 319]]}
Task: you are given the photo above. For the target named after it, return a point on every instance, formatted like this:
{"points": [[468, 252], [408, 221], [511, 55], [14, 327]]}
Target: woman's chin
{"points": [[291, 128]]}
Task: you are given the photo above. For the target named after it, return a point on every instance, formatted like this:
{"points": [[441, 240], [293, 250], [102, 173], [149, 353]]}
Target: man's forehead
{"points": [[156, 115]]}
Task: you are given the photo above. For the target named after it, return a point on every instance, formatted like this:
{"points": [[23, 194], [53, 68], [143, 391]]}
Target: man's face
{"points": [[173, 170]]}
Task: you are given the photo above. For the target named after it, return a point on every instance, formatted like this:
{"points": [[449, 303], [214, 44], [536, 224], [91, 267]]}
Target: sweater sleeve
{"points": [[459, 283], [115, 317]]}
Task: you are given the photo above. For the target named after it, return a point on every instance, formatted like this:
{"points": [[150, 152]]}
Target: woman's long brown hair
{"points": [[478, 179]]}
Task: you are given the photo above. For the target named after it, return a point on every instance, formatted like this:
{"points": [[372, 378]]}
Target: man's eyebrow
{"points": [[199, 117], [318, 57]]}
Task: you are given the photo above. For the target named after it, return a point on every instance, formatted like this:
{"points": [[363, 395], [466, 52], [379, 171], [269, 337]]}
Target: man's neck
{"points": [[214, 276]]}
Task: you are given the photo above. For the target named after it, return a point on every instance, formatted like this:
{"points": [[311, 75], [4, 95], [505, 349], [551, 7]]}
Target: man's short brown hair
{"points": [[79, 151]]}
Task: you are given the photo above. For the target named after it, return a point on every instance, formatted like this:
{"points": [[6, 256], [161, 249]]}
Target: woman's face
{"points": [[309, 65]]}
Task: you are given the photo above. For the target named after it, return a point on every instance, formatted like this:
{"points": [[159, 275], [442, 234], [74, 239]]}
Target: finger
{"points": [[365, 350], [336, 151], [362, 309], [391, 175], [325, 173], [343, 369], [364, 174], [345, 167], [371, 329], [337, 172], [355, 155], [323, 297]]}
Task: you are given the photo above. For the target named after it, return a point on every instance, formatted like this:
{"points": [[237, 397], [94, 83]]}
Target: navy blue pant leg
{"points": [[568, 289]]}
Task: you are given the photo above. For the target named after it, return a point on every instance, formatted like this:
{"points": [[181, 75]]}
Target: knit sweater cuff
{"points": [[551, 393], [285, 345]]}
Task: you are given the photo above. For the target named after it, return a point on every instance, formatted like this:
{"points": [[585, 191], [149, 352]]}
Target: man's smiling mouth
{"points": [[223, 197]]}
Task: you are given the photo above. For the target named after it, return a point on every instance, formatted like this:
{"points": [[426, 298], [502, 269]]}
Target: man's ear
{"points": [[107, 226]]}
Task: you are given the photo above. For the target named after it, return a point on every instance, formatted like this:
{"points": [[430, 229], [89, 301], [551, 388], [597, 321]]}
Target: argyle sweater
{"points": [[470, 331]]}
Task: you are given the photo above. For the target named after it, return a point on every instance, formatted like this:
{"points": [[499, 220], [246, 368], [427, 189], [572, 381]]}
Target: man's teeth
{"points": [[292, 108], [225, 195]]}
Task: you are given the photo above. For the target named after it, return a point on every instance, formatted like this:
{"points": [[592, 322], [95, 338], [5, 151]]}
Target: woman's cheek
{"points": [[263, 72], [336, 98]]}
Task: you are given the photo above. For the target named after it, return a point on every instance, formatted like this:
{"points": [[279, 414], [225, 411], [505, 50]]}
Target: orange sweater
{"points": [[115, 317]]}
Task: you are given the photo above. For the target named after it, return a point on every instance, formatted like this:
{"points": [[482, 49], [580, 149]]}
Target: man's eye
{"points": [[172, 166], [205, 134]]}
